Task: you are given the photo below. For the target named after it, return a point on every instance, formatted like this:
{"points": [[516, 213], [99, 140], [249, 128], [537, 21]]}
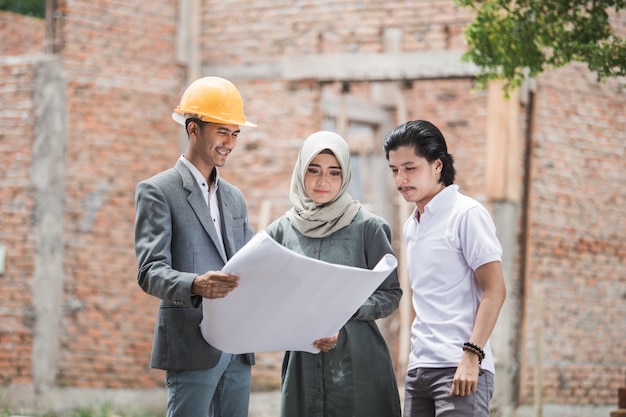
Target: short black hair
{"points": [[199, 122], [427, 142]]}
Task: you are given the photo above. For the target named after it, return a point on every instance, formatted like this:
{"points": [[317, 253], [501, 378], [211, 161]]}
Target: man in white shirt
{"points": [[455, 270]]}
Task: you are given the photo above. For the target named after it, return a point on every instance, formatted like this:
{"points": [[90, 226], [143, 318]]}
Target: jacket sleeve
{"points": [[385, 300], [153, 237]]}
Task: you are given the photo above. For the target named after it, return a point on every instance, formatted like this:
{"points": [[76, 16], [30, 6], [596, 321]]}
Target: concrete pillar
{"points": [[504, 335], [48, 184], [188, 44], [188, 33], [504, 159]]}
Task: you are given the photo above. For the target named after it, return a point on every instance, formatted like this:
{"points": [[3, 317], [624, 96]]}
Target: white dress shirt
{"points": [[210, 195]]}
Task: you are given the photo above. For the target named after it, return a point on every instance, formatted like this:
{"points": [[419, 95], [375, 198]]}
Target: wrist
{"points": [[195, 286], [474, 349]]}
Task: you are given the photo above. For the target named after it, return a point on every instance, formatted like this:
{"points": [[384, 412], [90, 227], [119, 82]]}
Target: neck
{"points": [[207, 171], [421, 206], [418, 213]]}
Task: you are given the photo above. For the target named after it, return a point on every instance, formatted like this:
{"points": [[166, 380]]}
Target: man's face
{"points": [[214, 142], [415, 178]]}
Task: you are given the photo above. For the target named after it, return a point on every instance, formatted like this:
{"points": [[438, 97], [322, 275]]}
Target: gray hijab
{"points": [[306, 216]]}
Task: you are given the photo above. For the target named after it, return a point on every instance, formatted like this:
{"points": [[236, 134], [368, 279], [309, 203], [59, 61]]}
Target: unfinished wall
{"points": [[21, 35], [123, 79], [295, 63], [578, 252], [17, 201], [21, 62], [84, 320]]}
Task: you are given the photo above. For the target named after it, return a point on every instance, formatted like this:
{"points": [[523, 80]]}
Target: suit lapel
{"points": [[198, 205]]}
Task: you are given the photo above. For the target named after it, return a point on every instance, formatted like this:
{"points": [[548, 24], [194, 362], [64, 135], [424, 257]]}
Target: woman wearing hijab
{"points": [[353, 374]]}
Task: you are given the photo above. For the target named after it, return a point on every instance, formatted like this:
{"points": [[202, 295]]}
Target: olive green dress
{"points": [[356, 379]]}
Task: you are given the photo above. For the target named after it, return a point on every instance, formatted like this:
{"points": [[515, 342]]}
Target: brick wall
{"points": [[124, 80], [270, 30], [578, 255], [20, 54], [21, 35], [16, 223]]}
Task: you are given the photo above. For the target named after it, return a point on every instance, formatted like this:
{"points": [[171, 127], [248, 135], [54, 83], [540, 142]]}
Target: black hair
{"points": [[427, 142], [197, 121]]}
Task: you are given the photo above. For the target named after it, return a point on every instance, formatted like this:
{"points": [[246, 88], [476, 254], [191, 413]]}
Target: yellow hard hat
{"points": [[212, 99]]}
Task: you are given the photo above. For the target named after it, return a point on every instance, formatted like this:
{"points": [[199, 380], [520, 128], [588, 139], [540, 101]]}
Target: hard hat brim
{"points": [[181, 119]]}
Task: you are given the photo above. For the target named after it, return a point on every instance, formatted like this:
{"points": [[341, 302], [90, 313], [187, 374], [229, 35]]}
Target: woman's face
{"points": [[323, 178]]}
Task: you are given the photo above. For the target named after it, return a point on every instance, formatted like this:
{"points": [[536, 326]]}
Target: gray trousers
{"points": [[427, 394], [222, 391]]}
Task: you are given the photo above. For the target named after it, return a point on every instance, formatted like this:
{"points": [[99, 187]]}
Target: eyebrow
{"points": [[224, 129], [331, 167], [403, 164]]}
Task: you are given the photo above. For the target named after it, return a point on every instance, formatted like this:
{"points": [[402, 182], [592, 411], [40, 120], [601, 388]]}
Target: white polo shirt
{"points": [[455, 235]]}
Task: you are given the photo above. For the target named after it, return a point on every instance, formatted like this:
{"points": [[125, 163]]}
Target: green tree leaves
{"points": [[512, 40], [35, 8]]}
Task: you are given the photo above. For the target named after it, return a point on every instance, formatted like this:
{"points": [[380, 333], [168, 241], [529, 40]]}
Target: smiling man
{"points": [[189, 222]]}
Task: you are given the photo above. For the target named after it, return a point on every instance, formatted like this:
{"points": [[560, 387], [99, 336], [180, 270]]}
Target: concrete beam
{"points": [[356, 109], [353, 67]]}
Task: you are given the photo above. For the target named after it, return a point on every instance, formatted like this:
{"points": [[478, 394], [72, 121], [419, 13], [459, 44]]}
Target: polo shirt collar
{"points": [[441, 200]]}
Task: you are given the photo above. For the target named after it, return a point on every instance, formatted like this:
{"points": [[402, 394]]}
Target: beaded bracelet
{"points": [[475, 349], [475, 352]]}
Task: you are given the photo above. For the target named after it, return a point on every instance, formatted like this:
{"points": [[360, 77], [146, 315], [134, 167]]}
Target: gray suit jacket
{"points": [[175, 241]]}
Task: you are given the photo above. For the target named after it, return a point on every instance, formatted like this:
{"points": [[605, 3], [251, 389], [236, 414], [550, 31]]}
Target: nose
{"points": [[230, 140], [322, 179]]}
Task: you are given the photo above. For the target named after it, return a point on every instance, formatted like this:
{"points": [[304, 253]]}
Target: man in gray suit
{"points": [[189, 222]]}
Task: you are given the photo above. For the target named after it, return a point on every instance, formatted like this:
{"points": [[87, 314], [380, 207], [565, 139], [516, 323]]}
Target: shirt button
{"points": [[314, 250]]}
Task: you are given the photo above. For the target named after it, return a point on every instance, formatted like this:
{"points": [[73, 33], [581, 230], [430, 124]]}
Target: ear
{"points": [[192, 128]]}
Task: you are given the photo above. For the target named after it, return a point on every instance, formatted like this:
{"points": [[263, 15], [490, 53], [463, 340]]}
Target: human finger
{"points": [[323, 344]]}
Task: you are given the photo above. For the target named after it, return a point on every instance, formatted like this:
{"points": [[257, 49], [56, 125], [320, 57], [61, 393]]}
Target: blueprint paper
{"points": [[285, 300]]}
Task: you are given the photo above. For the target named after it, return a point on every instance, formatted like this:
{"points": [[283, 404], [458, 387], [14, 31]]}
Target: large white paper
{"points": [[285, 300]]}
